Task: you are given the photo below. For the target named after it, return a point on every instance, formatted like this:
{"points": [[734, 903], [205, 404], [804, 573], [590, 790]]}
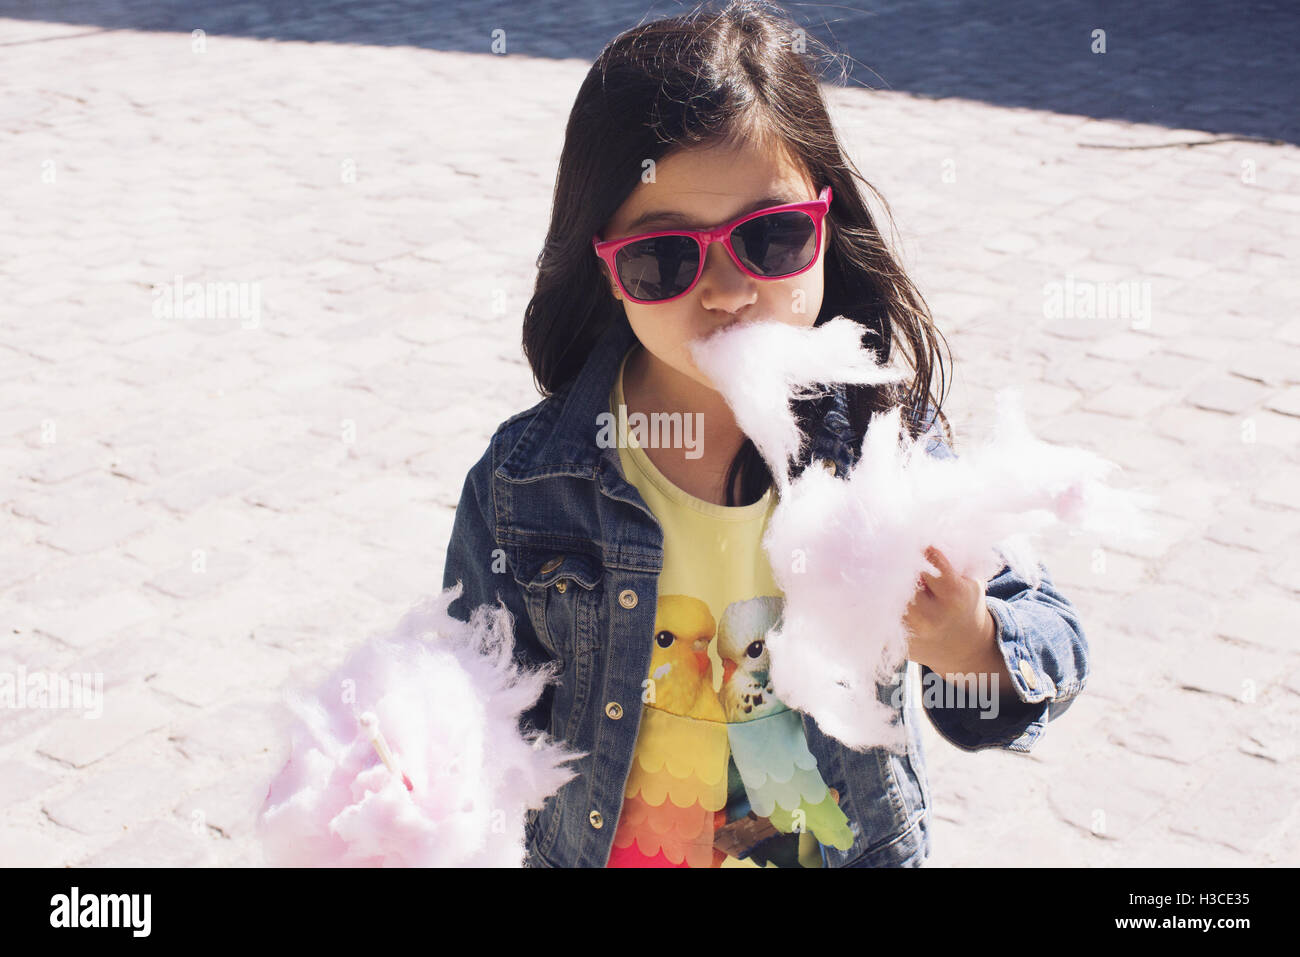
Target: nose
{"points": [[723, 287]]}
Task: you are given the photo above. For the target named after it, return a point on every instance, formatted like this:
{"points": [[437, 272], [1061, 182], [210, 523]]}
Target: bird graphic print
{"points": [[721, 771], [766, 737]]}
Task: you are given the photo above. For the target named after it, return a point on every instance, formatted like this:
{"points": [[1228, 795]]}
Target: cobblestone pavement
{"points": [[203, 509]]}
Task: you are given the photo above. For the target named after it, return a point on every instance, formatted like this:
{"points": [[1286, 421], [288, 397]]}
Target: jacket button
{"points": [[553, 564], [596, 820], [1027, 672], [627, 598], [562, 585], [614, 710]]}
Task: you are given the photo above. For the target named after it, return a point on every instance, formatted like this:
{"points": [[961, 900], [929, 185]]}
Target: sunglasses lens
{"points": [[776, 245], [658, 268]]}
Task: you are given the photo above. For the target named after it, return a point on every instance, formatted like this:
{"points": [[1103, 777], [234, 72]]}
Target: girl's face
{"points": [[705, 188]]}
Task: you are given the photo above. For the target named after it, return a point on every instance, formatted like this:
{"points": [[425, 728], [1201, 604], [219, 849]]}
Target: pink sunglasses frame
{"points": [[815, 208]]}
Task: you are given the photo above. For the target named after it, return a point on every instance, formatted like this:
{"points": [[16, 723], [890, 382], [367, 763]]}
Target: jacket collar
{"points": [[560, 439]]}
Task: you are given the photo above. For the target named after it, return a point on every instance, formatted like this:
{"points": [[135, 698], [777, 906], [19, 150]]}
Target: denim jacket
{"points": [[548, 524]]}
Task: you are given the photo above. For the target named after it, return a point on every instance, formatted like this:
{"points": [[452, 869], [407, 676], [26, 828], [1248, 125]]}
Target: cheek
{"points": [[813, 294], [662, 331], [799, 300], [816, 282], [642, 319]]}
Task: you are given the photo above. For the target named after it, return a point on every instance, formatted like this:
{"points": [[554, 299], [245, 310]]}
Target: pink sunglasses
{"points": [[774, 243]]}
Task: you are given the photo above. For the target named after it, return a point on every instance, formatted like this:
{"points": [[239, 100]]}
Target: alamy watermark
{"points": [[179, 299], [656, 430], [49, 689], [972, 690], [1086, 299], [75, 909]]}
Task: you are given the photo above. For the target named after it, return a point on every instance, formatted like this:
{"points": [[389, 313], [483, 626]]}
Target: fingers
{"points": [[934, 586], [937, 558]]}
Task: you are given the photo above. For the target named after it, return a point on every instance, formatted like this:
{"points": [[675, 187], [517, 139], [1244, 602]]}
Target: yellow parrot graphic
{"points": [[678, 780]]}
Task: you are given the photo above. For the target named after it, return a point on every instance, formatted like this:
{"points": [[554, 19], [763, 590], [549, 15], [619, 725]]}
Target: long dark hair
{"points": [[699, 80]]}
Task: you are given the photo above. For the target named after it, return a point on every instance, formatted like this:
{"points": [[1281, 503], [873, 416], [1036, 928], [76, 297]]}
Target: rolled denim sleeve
{"points": [[475, 559], [1045, 649], [1046, 653]]}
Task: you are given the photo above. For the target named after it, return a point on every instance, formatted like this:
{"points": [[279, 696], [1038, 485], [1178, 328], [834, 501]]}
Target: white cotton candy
{"points": [[441, 700], [783, 363], [847, 553]]}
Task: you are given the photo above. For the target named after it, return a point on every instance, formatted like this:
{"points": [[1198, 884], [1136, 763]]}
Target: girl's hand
{"points": [[951, 630]]}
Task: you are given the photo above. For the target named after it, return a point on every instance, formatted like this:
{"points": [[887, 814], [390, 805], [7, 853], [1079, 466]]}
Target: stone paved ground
{"points": [[202, 509]]}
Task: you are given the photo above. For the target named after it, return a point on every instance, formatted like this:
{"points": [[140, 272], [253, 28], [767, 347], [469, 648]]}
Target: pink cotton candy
{"points": [[441, 699], [847, 552]]}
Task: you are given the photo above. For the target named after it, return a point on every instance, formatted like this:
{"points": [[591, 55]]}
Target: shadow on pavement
{"points": [[1227, 68]]}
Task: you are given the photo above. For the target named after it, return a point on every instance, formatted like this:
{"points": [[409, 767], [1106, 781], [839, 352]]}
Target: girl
{"points": [[701, 184]]}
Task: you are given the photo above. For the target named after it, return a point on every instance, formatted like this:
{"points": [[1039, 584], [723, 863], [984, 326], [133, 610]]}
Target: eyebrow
{"points": [[681, 219]]}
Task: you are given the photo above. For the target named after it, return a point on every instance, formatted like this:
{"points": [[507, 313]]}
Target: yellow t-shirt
{"points": [[722, 775]]}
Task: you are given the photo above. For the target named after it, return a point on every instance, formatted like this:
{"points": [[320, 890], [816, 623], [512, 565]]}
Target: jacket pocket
{"points": [[562, 591]]}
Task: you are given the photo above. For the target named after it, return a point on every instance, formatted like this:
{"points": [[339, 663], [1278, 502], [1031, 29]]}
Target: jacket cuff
{"points": [[1019, 721]]}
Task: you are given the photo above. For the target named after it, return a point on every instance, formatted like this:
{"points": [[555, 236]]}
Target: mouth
{"points": [[723, 329]]}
